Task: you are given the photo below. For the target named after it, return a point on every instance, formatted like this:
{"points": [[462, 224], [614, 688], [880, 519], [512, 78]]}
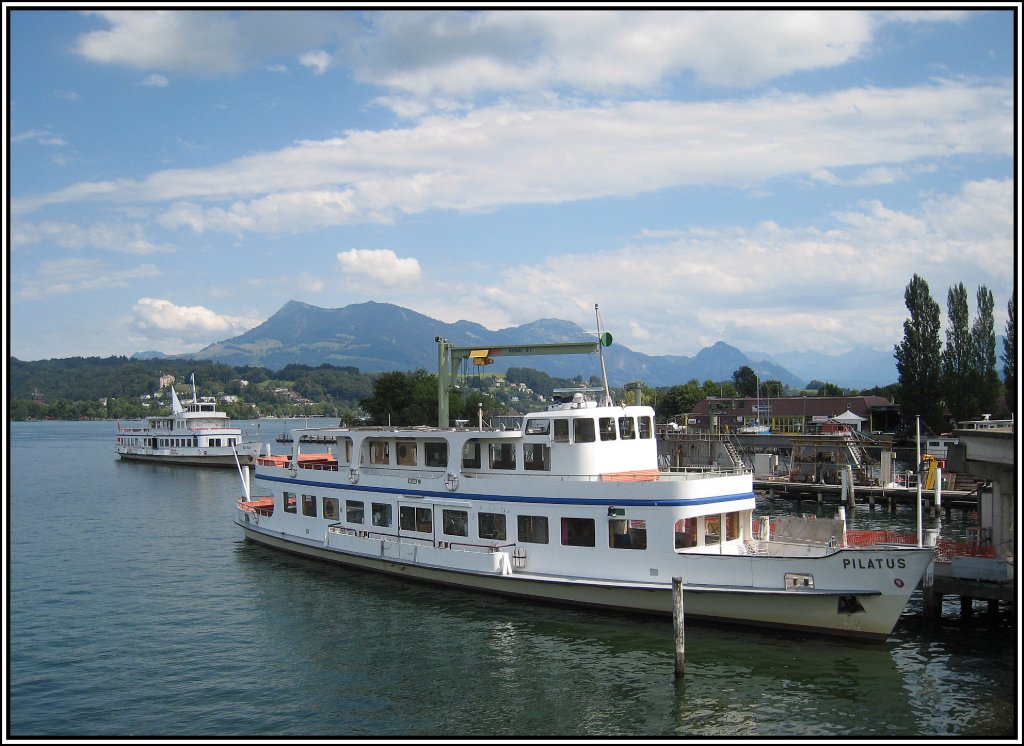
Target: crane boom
{"points": [[449, 357]]}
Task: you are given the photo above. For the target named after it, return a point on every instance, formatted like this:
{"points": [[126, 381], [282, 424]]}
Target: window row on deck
{"points": [[174, 442], [533, 455], [455, 524]]}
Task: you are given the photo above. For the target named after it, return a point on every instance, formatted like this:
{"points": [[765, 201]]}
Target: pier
{"points": [[991, 455], [980, 478], [887, 496]]}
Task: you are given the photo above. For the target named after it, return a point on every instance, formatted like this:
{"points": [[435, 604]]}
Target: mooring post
{"points": [[678, 626]]}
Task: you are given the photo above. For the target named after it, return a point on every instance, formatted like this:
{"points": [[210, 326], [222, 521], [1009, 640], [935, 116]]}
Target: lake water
{"points": [[136, 610]]}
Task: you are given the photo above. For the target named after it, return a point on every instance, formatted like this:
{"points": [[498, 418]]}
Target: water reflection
{"points": [[435, 662]]}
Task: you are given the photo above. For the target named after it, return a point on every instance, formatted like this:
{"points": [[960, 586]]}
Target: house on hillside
{"points": [[795, 414]]}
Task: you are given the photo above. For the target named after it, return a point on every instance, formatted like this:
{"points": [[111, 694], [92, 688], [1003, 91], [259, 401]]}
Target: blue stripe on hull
{"points": [[510, 498]]}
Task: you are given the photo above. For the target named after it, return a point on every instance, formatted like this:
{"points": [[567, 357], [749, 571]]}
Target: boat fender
{"points": [[353, 475], [451, 481]]}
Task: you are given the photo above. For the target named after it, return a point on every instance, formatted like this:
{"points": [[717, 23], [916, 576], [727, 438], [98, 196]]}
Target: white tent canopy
{"points": [[849, 418]]}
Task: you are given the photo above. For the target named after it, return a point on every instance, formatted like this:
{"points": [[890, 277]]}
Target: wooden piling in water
{"points": [[678, 626]]}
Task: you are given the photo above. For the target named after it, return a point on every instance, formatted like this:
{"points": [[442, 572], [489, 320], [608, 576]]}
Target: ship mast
{"points": [[602, 343]]}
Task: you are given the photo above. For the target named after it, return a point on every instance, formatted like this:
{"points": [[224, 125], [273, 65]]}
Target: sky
{"points": [[771, 178]]}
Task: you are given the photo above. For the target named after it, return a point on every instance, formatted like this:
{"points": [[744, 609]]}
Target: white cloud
{"points": [[61, 277], [161, 39], [381, 266], [40, 136], [156, 317], [451, 53], [127, 238], [207, 42], [841, 286], [156, 81], [318, 61], [503, 156], [462, 54]]}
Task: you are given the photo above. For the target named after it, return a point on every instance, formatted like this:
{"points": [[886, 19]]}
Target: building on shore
{"points": [[800, 415]]}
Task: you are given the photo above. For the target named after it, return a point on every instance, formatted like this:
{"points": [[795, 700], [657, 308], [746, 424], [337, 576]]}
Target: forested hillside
{"points": [[121, 388]]}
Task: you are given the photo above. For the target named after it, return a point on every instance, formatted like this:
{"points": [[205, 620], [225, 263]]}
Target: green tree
{"points": [[919, 358], [679, 400], [745, 380], [722, 389], [959, 380], [403, 399], [983, 348], [1009, 356]]}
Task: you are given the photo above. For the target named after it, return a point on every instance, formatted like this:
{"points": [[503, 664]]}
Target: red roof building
{"points": [[795, 414]]}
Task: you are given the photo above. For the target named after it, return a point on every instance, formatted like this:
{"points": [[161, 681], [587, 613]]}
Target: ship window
{"points": [[455, 522], [491, 526], [686, 533], [309, 505], [331, 508], [471, 456], [354, 511], [379, 452], [732, 526], [436, 453], [380, 514], [345, 447], [627, 430], [289, 502], [627, 534], [712, 529], [406, 453], [533, 529], [537, 427], [607, 428], [535, 456], [578, 532], [583, 430], [502, 455], [645, 427], [561, 431], [411, 518]]}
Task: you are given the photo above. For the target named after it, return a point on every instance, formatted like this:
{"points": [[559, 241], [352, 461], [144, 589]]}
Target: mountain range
{"points": [[379, 337]]}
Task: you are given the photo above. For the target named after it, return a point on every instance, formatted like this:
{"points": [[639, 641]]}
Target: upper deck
{"points": [[570, 439]]}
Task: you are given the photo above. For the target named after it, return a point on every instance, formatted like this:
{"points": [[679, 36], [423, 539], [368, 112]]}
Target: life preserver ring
{"points": [[451, 481], [353, 475]]}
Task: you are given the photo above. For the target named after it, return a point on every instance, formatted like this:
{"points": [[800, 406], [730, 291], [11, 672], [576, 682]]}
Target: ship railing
{"points": [[702, 472], [320, 467], [676, 473], [408, 471], [262, 505]]}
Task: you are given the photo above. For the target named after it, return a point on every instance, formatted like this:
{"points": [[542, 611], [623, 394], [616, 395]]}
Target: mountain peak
{"points": [[381, 337]]}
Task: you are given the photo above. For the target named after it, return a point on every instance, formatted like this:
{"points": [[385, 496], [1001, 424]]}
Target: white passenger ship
{"points": [[570, 508], [192, 435]]}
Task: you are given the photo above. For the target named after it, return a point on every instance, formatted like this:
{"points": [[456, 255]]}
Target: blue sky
{"points": [[769, 178]]}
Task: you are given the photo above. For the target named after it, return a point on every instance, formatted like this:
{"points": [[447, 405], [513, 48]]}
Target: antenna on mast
{"points": [[603, 339]]}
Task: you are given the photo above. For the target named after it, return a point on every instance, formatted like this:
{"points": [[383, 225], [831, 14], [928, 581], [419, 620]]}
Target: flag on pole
{"points": [[192, 380]]}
